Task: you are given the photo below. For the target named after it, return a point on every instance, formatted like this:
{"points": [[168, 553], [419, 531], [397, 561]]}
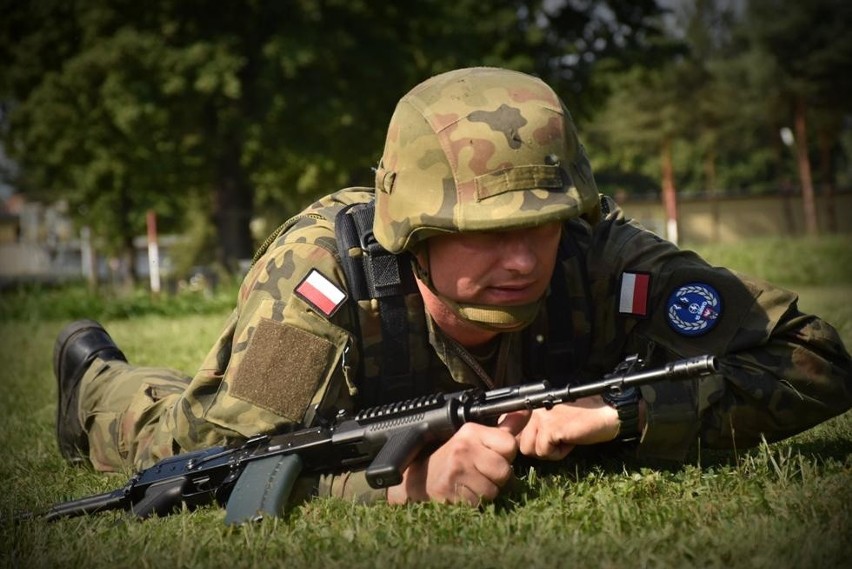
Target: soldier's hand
{"points": [[469, 468], [552, 433]]}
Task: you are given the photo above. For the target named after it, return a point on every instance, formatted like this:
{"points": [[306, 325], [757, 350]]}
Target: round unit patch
{"points": [[694, 309]]}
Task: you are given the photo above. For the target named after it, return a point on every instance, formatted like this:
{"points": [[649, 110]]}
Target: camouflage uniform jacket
{"points": [[288, 356]]}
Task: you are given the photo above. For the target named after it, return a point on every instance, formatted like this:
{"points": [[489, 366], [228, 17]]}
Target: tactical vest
{"points": [[555, 348], [388, 308]]}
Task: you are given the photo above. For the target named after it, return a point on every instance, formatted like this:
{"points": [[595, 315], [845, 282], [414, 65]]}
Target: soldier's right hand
{"points": [[469, 468]]}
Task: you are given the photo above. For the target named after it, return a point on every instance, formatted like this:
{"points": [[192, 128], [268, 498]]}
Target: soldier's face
{"points": [[504, 268]]}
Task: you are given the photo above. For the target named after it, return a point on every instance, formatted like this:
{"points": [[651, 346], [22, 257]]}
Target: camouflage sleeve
{"points": [[780, 381], [351, 486], [278, 361], [286, 354], [782, 371]]}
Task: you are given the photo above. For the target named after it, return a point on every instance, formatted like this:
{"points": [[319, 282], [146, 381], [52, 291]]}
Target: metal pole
{"points": [[153, 252]]}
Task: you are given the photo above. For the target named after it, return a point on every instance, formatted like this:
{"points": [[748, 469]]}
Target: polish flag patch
{"points": [[633, 298], [321, 293]]}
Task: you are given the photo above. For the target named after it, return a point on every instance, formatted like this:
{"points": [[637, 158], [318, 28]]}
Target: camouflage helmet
{"points": [[479, 149]]}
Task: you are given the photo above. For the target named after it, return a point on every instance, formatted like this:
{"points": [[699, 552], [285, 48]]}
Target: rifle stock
{"points": [[385, 439]]}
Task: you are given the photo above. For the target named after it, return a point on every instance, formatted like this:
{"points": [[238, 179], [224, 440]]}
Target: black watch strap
{"points": [[626, 402]]}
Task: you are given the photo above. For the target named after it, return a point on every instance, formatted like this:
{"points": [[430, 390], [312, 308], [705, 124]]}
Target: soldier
{"points": [[505, 265]]}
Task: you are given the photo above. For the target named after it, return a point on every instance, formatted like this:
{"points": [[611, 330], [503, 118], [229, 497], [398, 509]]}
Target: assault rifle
{"points": [[256, 478]]}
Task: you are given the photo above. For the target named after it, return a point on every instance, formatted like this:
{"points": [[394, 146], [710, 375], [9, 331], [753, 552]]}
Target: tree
{"points": [[812, 51], [112, 124], [116, 151], [254, 106], [646, 112], [722, 101], [646, 115]]}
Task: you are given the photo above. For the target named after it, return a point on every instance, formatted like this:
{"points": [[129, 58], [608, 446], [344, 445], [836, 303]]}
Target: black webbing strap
{"points": [[346, 233], [377, 274], [565, 348], [559, 357]]}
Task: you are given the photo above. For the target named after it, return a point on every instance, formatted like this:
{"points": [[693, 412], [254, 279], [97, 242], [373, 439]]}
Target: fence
{"points": [[731, 219]]}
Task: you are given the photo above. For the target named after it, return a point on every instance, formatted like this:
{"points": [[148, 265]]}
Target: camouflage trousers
{"points": [[128, 413], [131, 413]]}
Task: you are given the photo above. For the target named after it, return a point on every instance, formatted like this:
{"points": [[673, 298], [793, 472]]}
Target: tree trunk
{"points": [[128, 251], [126, 278], [88, 259], [232, 211], [710, 178], [804, 163], [669, 197], [826, 168]]}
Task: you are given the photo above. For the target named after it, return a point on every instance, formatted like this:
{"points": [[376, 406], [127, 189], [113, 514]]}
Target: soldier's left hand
{"points": [[552, 433]]}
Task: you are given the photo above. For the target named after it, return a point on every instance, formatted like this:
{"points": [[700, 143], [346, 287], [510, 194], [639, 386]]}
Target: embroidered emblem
{"points": [[694, 309], [633, 298], [321, 293]]}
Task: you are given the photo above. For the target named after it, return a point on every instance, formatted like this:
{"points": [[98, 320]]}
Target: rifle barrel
{"points": [[524, 397]]}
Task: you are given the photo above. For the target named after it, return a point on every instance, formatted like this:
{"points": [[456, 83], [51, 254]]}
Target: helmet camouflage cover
{"points": [[479, 149]]}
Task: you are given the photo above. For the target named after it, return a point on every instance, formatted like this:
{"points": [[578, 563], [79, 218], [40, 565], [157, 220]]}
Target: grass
{"points": [[36, 302], [825, 261], [788, 504]]}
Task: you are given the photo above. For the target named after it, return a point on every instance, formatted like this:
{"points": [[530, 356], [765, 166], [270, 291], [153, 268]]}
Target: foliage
{"points": [[724, 98], [808, 43], [117, 151], [69, 302], [253, 108]]}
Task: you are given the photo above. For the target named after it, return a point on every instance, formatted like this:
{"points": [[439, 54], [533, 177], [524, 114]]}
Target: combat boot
{"points": [[77, 345]]}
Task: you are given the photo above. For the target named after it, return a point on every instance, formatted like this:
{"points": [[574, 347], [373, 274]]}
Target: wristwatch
{"points": [[626, 402]]}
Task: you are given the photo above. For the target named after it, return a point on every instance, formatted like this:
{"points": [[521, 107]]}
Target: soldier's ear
{"points": [[420, 261]]}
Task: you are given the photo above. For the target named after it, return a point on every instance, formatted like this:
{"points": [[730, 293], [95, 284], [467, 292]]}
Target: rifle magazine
{"points": [[263, 489]]}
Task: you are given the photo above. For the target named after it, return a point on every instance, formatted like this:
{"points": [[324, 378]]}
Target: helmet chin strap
{"points": [[488, 317], [495, 318]]}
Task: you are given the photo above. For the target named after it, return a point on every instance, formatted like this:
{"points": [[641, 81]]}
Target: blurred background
{"points": [[168, 138]]}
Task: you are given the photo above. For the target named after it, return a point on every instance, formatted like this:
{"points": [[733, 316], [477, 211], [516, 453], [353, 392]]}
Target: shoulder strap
{"points": [[556, 352], [374, 273]]}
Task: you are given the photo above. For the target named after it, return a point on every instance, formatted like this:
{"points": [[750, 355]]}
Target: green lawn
{"points": [[784, 505]]}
